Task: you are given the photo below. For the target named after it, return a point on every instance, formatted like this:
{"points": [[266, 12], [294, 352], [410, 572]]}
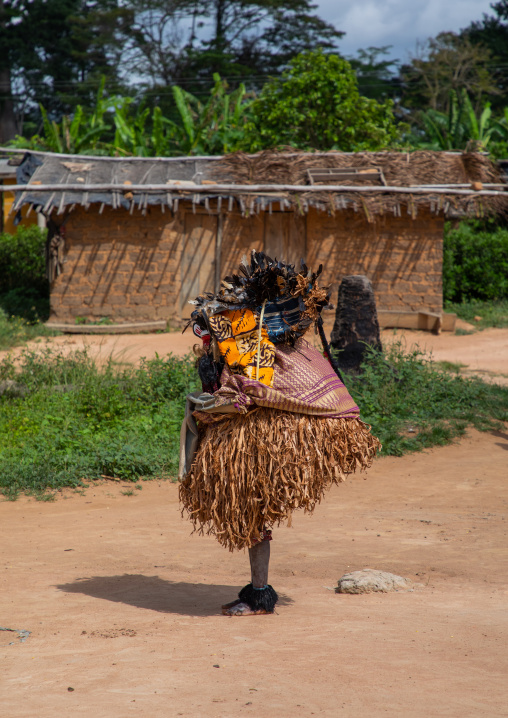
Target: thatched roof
{"points": [[401, 169], [466, 184], [431, 176]]}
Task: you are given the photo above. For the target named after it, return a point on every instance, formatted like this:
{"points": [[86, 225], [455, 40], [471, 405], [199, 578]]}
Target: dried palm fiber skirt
{"points": [[253, 470]]}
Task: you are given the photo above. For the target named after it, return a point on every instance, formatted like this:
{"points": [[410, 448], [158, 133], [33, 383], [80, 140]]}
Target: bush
{"points": [[412, 404], [24, 289], [475, 262], [68, 421], [316, 104]]}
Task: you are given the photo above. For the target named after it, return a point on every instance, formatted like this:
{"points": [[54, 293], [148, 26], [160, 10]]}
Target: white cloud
{"points": [[401, 23]]}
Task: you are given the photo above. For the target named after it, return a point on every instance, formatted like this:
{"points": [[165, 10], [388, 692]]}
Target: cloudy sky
{"points": [[400, 23]]}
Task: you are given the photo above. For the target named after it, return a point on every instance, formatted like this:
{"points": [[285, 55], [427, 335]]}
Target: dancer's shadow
{"points": [[158, 594], [501, 435]]}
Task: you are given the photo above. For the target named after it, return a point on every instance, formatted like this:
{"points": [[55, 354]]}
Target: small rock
{"points": [[478, 318], [369, 581]]}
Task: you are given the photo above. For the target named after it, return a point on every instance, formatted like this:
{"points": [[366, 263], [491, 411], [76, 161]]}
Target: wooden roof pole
{"points": [[244, 189]]}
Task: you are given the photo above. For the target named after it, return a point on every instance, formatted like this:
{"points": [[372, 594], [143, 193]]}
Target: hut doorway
{"points": [[285, 236]]}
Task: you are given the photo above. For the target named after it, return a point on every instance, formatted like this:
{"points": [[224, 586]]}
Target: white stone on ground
{"points": [[369, 580]]}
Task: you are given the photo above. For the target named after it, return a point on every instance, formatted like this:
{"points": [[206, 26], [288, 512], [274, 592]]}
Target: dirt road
{"points": [[122, 603], [484, 353]]}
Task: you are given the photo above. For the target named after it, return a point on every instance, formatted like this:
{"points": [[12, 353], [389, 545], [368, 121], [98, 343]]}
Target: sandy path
{"points": [[483, 353], [122, 603]]}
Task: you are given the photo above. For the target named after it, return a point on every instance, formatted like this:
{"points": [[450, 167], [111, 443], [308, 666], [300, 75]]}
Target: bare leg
{"points": [[259, 556]]}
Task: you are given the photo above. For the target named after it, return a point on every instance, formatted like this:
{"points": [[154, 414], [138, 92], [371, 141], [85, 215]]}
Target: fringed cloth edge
{"points": [[253, 471]]}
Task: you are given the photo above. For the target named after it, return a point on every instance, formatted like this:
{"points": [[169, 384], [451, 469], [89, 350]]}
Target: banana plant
{"points": [[461, 128], [118, 127], [211, 128]]}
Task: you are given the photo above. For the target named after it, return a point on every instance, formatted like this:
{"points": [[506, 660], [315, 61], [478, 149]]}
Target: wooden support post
{"points": [[218, 251]]}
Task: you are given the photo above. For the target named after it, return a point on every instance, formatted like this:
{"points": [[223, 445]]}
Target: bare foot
{"points": [[230, 605], [238, 608]]}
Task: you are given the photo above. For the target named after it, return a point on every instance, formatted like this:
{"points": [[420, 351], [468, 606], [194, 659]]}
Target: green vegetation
{"points": [[16, 330], [462, 128], [412, 404], [480, 313], [24, 289], [475, 263], [64, 421], [61, 55], [118, 126], [315, 104]]}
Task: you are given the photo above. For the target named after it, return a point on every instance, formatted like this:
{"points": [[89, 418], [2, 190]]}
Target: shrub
{"points": [[412, 404], [71, 421], [475, 262], [316, 104], [24, 289], [16, 330]]}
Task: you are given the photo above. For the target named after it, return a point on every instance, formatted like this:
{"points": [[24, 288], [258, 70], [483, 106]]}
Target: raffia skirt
{"points": [[252, 471]]}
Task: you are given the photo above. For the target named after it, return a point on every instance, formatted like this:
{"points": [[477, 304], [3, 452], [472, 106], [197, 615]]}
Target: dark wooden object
{"points": [[356, 323]]}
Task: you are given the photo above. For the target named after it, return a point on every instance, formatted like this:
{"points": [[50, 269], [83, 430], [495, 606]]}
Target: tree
{"points": [[181, 39], [491, 33], [119, 127], [215, 127], [376, 76], [315, 104], [54, 52], [448, 62]]}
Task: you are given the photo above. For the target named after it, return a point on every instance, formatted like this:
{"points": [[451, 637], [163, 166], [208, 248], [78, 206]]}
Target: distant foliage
{"points": [[475, 263], [462, 128], [316, 104], [24, 289], [120, 127]]}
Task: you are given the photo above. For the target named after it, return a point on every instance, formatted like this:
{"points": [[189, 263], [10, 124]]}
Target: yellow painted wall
{"points": [[7, 200]]}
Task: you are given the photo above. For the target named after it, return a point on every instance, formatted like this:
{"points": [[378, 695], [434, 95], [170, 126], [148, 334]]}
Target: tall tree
{"points": [[492, 33], [376, 74], [55, 51], [446, 63], [181, 39], [10, 123]]}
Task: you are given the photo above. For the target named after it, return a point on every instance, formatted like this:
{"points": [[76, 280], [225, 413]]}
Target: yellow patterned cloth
{"points": [[237, 337]]}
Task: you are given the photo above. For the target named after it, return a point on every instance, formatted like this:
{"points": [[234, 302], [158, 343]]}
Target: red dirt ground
{"points": [[123, 603]]}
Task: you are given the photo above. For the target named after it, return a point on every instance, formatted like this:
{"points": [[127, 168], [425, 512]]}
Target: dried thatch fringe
{"points": [[255, 470], [400, 169]]}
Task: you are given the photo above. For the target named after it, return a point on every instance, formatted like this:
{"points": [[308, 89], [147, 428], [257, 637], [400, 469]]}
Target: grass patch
{"points": [[412, 404], [74, 422], [65, 421], [454, 367], [492, 313], [16, 330]]}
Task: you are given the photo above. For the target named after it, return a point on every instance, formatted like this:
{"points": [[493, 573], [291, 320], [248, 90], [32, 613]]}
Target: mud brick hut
{"points": [[132, 240]]}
